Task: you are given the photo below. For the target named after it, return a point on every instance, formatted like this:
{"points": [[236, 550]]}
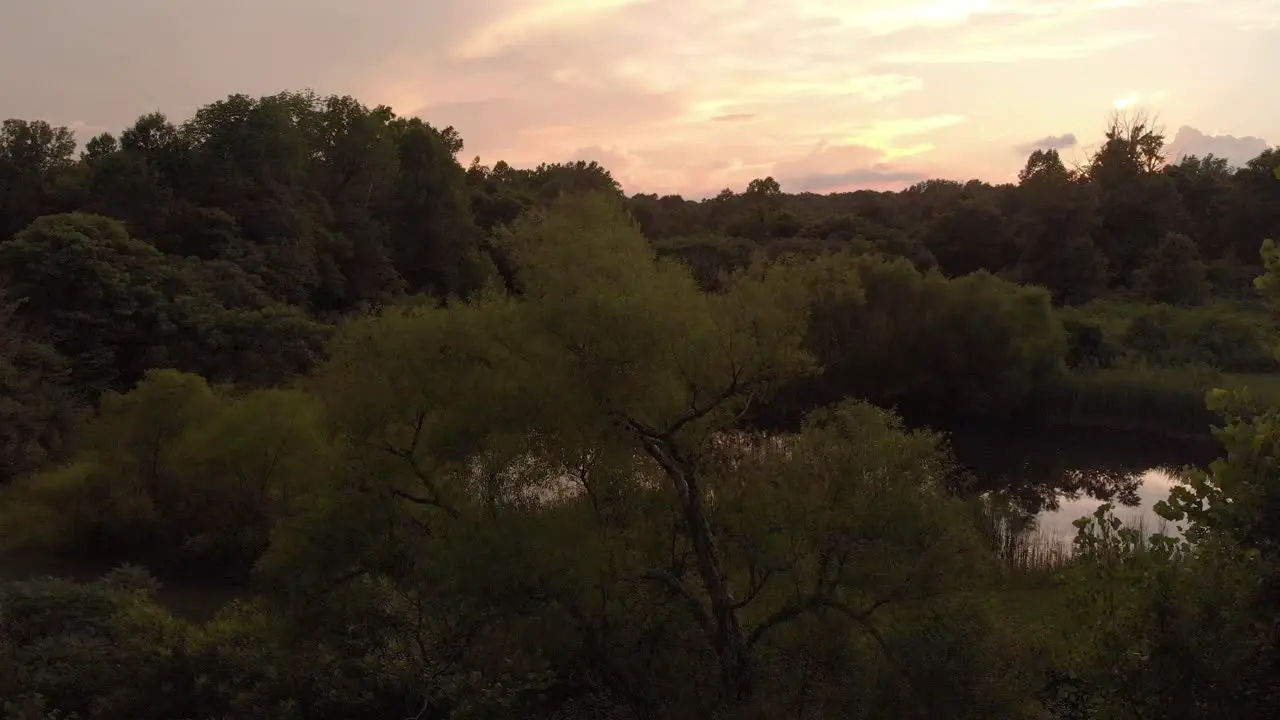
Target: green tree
{"points": [[433, 238], [1205, 187], [884, 331], [179, 476], [116, 306], [972, 236], [37, 409], [32, 152], [573, 446], [1173, 273], [1137, 205], [1053, 224], [763, 197], [96, 650]]}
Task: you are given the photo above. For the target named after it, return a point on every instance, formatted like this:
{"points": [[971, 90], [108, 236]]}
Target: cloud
{"points": [[1127, 101], [507, 123], [620, 163], [1237, 150], [877, 177], [1052, 142], [693, 94], [829, 167], [990, 52], [1256, 15], [530, 19]]}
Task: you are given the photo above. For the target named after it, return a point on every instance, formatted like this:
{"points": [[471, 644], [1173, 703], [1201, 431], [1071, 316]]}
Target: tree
{"points": [[888, 333], [763, 196], [579, 431], [177, 475], [116, 306], [1174, 273], [32, 153], [971, 236], [1255, 204], [1137, 205], [37, 409], [1134, 145], [1054, 222], [1204, 185], [433, 238], [1046, 164]]}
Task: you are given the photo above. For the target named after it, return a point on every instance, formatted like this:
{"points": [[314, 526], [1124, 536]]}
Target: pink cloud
{"points": [[692, 95]]}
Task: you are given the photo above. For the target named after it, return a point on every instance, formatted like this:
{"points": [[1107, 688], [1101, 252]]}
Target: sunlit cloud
{"points": [[519, 21], [1126, 102], [1236, 150], [678, 95], [987, 51], [1050, 142], [900, 16]]}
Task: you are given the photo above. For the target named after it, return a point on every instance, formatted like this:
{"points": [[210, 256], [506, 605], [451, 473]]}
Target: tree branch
{"points": [[426, 501], [672, 583], [410, 456], [696, 413], [814, 603]]}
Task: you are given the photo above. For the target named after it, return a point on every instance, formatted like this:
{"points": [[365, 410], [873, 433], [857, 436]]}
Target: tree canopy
{"points": [[495, 442]]}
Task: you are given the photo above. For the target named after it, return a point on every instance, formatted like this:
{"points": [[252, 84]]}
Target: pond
{"points": [[1058, 475], [1061, 474]]}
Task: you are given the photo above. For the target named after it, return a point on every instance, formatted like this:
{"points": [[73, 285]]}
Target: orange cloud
{"points": [[680, 95]]}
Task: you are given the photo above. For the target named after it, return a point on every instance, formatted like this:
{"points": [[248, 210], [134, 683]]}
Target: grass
{"points": [[1164, 400], [1235, 336], [1015, 537], [1265, 387]]}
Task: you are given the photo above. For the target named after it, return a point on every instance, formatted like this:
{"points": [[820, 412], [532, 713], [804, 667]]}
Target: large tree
{"points": [[580, 436]]}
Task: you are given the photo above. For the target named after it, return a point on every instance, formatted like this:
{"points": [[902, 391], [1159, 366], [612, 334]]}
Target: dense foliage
{"points": [[488, 442]]}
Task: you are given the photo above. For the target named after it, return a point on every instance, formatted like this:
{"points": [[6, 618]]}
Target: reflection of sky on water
{"points": [[1154, 487], [1059, 475]]}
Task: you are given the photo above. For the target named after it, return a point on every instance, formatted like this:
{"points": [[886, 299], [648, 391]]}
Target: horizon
{"points": [[825, 96]]}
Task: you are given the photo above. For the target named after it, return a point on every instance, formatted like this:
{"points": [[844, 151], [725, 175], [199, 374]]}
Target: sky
{"points": [[684, 96]]}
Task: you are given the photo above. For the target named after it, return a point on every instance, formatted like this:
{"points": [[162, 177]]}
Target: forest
{"points": [[301, 417]]}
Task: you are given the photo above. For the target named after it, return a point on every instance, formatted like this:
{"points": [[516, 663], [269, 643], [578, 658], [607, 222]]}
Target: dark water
{"points": [[1061, 474]]}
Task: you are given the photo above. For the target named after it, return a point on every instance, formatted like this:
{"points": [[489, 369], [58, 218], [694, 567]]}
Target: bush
{"points": [[974, 346], [175, 475], [1229, 336], [1088, 345], [101, 650]]}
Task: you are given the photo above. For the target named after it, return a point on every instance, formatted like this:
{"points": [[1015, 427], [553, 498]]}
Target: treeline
{"points": [[540, 503], [489, 443], [1127, 222], [244, 232]]}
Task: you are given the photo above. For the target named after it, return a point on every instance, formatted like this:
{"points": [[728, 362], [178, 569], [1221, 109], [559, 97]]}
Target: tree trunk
{"points": [[725, 634]]}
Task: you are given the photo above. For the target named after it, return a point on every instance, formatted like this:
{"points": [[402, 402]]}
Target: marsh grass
{"points": [[1164, 400], [1023, 547], [1167, 400]]}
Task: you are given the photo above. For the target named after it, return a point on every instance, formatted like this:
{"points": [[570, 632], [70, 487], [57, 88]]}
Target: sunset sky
{"points": [[685, 96]]}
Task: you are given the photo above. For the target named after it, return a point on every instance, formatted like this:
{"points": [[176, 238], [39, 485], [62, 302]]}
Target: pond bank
{"points": [[1165, 401], [1059, 474], [1054, 473]]}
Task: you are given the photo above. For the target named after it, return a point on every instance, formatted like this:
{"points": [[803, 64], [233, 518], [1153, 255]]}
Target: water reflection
{"points": [[1059, 475], [1136, 507]]}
